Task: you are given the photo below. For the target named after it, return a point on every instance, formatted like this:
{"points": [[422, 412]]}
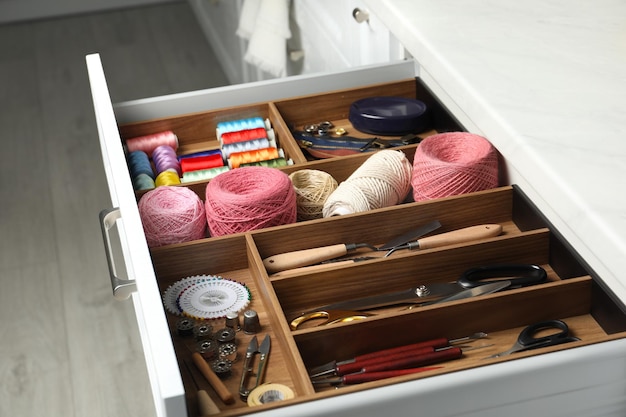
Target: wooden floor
{"points": [[67, 348]]}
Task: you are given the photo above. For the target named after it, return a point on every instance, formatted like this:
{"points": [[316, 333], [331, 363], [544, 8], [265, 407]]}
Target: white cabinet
{"points": [[326, 36]]}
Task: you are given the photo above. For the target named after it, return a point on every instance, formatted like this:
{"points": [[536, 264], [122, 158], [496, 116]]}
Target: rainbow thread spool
{"points": [[203, 174], [172, 215], [265, 154], [204, 162], [164, 158], [251, 145], [149, 143], [167, 177], [248, 199], [312, 190], [453, 163]]}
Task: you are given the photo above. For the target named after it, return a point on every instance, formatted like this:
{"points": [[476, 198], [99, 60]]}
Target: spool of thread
{"points": [[143, 182], [248, 199], [251, 145], [164, 158], [453, 163], [172, 215], [201, 162], [139, 163], [201, 153], [242, 124], [312, 189], [203, 174], [383, 180], [246, 135], [167, 177], [149, 143], [271, 163], [265, 154]]}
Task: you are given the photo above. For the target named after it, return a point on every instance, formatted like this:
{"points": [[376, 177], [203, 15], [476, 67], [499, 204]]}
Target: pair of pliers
{"points": [[251, 351]]}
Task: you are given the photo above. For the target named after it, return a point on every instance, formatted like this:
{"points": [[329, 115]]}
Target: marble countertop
{"points": [[545, 82]]}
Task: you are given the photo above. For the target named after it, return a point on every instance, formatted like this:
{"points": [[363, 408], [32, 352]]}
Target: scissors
{"points": [[527, 340], [473, 282]]}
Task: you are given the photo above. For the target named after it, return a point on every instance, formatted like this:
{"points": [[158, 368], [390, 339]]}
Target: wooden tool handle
{"points": [[296, 259], [421, 360], [350, 368], [460, 236], [311, 268], [217, 384], [206, 406], [434, 343]]}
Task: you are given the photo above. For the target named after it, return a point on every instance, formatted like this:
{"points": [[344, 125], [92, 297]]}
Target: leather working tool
{"points": [[306, 257], [473, 282], [252, 350], [433, 343]]}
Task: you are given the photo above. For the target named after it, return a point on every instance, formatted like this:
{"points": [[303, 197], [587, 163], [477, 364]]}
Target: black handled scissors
{"points": [[527, 340]]}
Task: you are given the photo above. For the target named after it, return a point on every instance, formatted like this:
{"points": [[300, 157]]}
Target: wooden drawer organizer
{"points": [[571, 293]]}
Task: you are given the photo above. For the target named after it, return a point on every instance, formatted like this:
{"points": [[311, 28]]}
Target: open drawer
{"points": [[572, 292]]}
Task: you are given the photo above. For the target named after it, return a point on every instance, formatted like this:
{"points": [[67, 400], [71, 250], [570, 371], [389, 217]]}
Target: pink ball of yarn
{"points": [[249, 198], [453, 163], [172, 215]]}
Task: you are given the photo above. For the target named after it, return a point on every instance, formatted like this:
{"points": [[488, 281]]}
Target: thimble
{"points": [[232, 320], [251, 322]]}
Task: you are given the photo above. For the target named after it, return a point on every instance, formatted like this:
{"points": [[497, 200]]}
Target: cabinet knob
{"points": [[360, 15]]}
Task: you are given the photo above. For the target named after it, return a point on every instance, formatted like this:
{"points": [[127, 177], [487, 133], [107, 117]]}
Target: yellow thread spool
{"points": [[167, 177]]}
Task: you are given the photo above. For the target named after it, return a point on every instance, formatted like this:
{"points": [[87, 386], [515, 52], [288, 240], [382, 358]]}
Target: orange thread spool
{"points": [[265, 154]]}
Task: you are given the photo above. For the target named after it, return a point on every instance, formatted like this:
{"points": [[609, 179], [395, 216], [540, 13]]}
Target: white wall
{"points": [[20, 10]]}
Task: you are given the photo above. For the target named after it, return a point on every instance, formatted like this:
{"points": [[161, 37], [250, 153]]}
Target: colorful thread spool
{"points": [[139, 163], [172, 215], [453, 163], [312, 189], [143, 182], [271, 163], [149, 143], [246, 135], [201, 153], [164, 158], [265, 154], [242, 124], [251, 145], [167, 177], [248, 199], [204, 162], [383, 180], [203, 174]]}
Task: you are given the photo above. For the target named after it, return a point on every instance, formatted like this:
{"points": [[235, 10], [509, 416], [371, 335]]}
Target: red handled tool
{"points": [[361, 377], [341, 368]]}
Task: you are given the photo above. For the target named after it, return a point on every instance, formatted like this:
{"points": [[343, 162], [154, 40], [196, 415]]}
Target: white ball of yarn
{"points": [[383, 180]]}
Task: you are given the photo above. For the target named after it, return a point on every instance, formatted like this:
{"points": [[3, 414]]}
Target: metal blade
{"points": [[253, 346], [411, 235], [475, 292], [265, 346]]}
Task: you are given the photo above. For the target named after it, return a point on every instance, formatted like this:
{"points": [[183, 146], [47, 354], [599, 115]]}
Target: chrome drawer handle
{"points": [[122, 288]]}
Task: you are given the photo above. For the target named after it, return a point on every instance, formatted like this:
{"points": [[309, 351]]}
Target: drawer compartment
{"points": [[570, 292]]}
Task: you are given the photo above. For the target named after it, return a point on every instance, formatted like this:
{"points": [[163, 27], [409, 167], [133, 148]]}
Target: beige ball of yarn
{"points": [[312, 189]]}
